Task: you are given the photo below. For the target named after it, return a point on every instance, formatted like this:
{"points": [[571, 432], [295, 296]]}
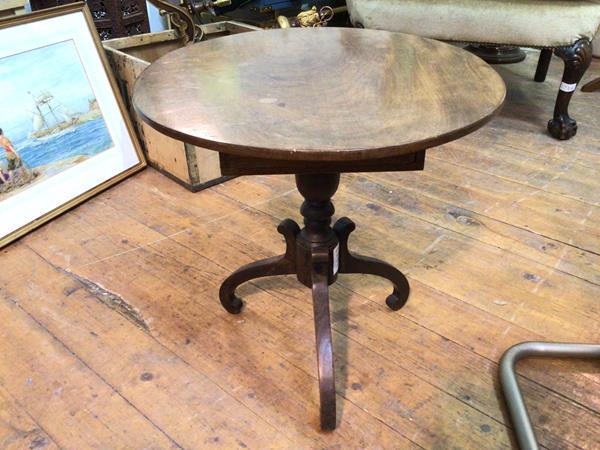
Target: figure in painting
{"points": [[15, 174], [13, 158]]}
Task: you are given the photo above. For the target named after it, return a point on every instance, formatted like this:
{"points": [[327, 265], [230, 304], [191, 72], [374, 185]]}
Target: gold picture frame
{"points": [[123, 154]]}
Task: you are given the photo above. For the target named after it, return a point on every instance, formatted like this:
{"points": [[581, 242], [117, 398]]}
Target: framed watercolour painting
{"points": [[64, 131]]}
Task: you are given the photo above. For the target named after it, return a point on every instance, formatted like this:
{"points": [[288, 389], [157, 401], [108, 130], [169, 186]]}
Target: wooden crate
{"points": [[10, 8], [194, 167]]}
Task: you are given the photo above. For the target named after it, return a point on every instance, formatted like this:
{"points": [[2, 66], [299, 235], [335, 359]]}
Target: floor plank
{"points": [[75, 406], [17, 428], [146, 373]]}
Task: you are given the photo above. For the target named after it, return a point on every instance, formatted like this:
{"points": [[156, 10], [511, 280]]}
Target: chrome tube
{"points": [[510, 386]]}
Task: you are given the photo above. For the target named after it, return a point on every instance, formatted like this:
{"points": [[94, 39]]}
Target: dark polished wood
{"points": [[318, 102], [325, 369], [318, 94], [351, 263], [577, 59], [494, 54], [317, 254], [543, 63], [277, 265], [592, 86], [244, 165]]}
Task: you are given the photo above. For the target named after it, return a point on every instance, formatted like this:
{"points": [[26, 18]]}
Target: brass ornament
{"points": [[182, 16], [310, 18]]}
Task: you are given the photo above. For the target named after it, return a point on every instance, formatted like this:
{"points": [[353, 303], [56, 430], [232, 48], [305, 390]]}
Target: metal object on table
{"points": [[182, 16], [199, 6], [310, 18], [266, 13], [510, 386]]}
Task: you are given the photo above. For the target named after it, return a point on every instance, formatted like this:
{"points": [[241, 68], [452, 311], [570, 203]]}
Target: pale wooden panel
{"points": [[17, 429], [167, 154], [457, 216], [252, 224], [111, 337], [60, 392]]}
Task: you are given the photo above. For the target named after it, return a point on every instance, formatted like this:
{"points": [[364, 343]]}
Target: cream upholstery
{"points": [[596, 44], [561, 27], [538, 23]]}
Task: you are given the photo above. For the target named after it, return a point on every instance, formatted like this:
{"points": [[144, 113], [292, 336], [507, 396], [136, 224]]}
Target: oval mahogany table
{"points": [[318, 102]]}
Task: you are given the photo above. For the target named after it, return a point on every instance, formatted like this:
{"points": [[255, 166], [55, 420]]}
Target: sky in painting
{"points": [[55, 68]]}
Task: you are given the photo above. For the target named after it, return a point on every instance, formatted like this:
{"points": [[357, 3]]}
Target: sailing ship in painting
{"points": [[58, 124], [51, 117]]}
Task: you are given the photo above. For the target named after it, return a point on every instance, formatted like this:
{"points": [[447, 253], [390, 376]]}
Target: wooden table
{"points": [[315, 103]]}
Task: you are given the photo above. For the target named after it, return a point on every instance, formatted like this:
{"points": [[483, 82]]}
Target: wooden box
{"points": [[10, 8], [194, 167]]}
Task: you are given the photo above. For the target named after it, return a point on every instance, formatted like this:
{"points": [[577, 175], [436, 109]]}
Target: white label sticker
{"points": [[336, 259], [566, 87]]}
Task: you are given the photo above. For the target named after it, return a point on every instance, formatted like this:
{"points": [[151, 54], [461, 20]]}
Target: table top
{"points": [[318, 94]]}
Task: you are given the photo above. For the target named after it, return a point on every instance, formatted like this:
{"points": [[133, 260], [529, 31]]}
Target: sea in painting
{"points": [[49, 116]]}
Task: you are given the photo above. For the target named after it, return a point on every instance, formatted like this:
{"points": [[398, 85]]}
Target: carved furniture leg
{"points": [[543, 64], [277, 265], [350, 263], [312, 254], [577, 59], [592, 86], [320, 293]]}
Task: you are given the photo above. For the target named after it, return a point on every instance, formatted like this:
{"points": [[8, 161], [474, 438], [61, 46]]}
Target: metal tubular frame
{"points": [[510, 386]]}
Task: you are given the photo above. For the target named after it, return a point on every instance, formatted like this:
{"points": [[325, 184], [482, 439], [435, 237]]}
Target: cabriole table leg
{"points": [[277, 265], [351, 263], [320, 293], [316, 254]]}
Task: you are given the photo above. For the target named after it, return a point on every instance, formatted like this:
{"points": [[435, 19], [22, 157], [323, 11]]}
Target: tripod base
{"points": [[316, 255]]}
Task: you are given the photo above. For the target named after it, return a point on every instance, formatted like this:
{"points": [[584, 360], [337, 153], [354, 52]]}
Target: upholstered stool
{"points": [[565, 27]]}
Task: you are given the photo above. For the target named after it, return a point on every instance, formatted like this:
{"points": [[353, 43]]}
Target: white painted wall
{"points": [[157, 22]]}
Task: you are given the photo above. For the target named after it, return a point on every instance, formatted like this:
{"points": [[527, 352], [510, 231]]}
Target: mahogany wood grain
{"points": [[327, 94], [244, 165], [592, 86]]}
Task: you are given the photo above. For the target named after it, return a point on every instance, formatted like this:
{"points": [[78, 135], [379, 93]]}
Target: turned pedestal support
{"points": [[317, 254]]}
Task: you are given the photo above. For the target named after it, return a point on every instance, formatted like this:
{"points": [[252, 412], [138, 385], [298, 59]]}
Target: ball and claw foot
{"points": [[562, 128], [577, 59]]}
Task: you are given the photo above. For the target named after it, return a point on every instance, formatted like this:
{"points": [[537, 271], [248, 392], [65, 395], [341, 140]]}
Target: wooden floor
{"points": [[112, 336]]}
